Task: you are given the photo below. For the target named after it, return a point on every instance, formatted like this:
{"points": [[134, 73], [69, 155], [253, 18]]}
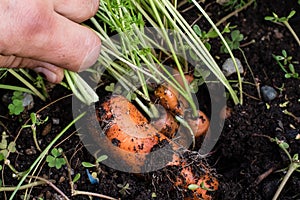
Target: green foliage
{"points": [[275, 17], [16, 106], [200, 76], [205, 36], [235, 4], [234, 42], [124, 188], [6, 147], [98, 160], [286, 64], [76, 178], [195, 187], [293, 166], [55, 159]]}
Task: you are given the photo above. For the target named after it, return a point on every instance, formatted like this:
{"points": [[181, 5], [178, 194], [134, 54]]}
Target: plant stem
{"points": [[23, 187], [77, 192], [15, 88], [50, 183], [30, 86], [293, 166], [251, 72], [33, 128], [287, 24]]}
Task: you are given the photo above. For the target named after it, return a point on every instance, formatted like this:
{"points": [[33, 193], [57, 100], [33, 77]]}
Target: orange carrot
{"points": [[199, 124], [129, 131], [168, 98], [166, 124]]}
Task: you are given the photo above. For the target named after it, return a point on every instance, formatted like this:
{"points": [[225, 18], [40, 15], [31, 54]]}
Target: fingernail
{"points": [[91, 57], [49, 75]]}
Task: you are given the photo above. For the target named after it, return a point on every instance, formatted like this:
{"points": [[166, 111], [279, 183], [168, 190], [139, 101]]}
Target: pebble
{"points": [[28, 101], [228, 67], [30, 151], [268, 93], [62, 179]]}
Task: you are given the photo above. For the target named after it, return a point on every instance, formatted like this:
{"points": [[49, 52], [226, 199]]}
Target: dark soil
{"points": [[244, 153]]}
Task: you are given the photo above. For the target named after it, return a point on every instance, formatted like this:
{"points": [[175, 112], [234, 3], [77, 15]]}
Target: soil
{"points": [[244, 158]]}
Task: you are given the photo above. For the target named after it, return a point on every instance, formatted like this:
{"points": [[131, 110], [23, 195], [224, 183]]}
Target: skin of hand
{"points": [[45, 35]]}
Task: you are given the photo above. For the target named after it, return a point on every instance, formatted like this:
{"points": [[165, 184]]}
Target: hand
{"points": [[45, 35]]}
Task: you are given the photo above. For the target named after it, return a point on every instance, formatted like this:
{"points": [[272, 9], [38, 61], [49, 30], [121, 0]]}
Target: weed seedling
{"points": [[234, 42], [293, 166], [55, 159], [286, 64], [285, 22], [205, 36], [234, 4], [124, 188], [16, 106], [6, 147], [36, 121], [98, 160]]}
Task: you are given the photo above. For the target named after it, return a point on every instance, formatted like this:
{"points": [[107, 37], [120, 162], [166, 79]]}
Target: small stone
{"points": [[228, 67], [268, 93], [28, 101], [30, 151], [62, 179], [55, 121]]}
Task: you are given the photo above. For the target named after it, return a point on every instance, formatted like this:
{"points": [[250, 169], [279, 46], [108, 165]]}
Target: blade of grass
{"points": [[25, 82]]}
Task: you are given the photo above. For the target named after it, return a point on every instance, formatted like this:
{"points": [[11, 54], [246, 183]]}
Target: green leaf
{"points": [[292, 13], [87, 164], [284, 53], [193, 187], [212, 34], [279, 58], [59, 162], [76, 178], [288, 75], [291, 67], [55, 152], [12, 147], [50, 159], [284, 145], [4, 152], [197, 30], [207, 45], [3, 144], [269, 18], [110, 87], [235, 35], [296, 157], [33, 118], [101, 158], [1, 157], [282, 19]]}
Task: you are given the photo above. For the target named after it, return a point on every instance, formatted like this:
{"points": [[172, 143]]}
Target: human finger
{"points": [[52, 73], [76, 10]]}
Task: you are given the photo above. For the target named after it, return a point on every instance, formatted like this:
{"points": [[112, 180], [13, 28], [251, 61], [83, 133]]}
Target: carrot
{"points": [[127, 128], [168, 98], [199, 124], [132, 138], [205, 181], [166, 123]]}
